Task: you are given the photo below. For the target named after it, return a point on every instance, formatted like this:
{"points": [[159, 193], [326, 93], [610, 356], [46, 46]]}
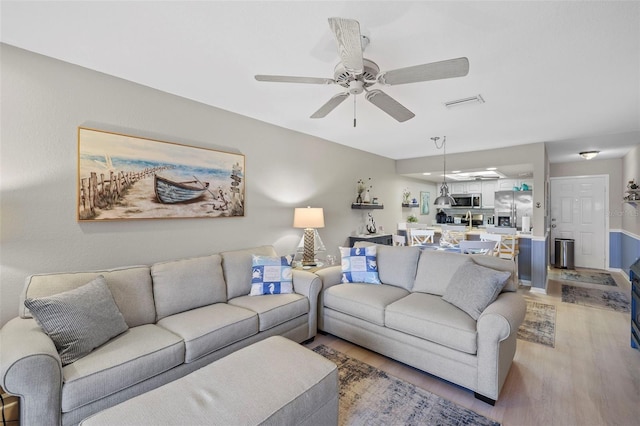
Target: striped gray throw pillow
{"points": [[79, 320]]}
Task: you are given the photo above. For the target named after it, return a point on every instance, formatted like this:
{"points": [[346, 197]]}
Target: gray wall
{"points": [[631, 213], [45, 100]]}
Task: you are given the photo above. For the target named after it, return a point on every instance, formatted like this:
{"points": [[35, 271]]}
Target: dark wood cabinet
{"points": [[385, 239], [635, 305]]}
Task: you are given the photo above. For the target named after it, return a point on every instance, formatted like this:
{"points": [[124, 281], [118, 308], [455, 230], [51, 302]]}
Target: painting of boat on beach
{"points": [[128, 177]]}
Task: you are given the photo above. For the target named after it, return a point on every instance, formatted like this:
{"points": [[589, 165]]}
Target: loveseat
{"points": [[414, 314], [177, 317]]}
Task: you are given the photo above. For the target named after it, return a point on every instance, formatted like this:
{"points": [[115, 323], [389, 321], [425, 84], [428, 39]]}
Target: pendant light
{"points": [[444, 201]]}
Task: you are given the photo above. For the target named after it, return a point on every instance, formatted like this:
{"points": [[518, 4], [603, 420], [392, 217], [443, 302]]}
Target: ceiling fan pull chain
{"points": [[354, 111]]}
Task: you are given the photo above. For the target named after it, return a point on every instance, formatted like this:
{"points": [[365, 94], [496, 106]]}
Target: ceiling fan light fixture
{"points": [[588, 155], [478, 99]]}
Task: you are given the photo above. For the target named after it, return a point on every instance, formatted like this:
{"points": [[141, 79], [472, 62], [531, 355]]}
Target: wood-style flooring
{"points": [[591, 377]]}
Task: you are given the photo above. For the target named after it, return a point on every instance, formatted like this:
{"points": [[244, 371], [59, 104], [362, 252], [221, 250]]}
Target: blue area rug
{"points": [[369, 396], [595, 298], [539, 325]]}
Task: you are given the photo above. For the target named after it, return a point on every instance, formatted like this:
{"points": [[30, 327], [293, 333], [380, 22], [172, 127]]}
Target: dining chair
{"points": [[399, 240], [507, 244], [488, 248], [453, 234], [416, 225], [418, 237]]}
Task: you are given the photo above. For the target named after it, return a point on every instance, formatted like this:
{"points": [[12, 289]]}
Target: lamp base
{"points": [[309, 252]]}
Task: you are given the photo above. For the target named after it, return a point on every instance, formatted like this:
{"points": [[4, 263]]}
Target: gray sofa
{"points": [[181, 315], [408, 319]]}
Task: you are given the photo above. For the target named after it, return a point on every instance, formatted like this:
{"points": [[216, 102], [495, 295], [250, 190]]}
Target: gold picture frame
{"points": [[124, 177]]}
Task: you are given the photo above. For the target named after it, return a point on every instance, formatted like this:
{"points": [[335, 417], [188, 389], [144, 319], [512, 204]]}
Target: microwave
{"points": [[467, 201]]}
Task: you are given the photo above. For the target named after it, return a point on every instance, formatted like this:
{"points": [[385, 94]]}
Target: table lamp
{"points": [[309, 219]]}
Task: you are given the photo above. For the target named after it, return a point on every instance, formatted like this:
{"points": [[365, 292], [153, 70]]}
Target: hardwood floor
{"points": [[591, 377]]}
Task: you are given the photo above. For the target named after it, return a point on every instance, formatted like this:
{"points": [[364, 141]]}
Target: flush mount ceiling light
{"points": [[588, 155], [478, 99]]}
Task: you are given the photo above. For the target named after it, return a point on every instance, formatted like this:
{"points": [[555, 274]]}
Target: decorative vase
{"points": [[359, 198], [367, 197], [371, 224]]}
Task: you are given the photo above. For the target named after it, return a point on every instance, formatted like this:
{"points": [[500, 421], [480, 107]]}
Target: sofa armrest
{"points": [[497, 332], [309, 285], [329, 277], [30, 368]]}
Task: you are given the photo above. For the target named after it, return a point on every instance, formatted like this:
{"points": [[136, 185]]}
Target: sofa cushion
{"points": [[79, 320], [130, 287], [474, 287], [185, 284], [397, 265], [435, 270], [128, 359], [429, 317], [209, 328], [364, 301], [274, 309], [359, 265], [236, 265], [271, 275]]}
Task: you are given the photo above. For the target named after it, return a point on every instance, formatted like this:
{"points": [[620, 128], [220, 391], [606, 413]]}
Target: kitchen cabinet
{"points": [[489, 188], [474, 187], [458, 188], [466, 187], [507, 184]]}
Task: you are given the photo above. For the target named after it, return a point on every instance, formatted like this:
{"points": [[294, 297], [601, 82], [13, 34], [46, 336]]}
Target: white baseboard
{"points": [[538, 290]]}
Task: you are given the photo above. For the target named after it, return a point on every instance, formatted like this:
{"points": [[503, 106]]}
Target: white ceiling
{"points": [[566, 73]]}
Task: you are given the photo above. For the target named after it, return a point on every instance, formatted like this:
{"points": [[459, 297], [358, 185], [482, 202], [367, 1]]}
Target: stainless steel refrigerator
{"points": [[511, 206]]}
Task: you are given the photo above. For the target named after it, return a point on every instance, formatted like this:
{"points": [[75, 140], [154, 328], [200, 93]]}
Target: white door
{"points": [[578, 208]]}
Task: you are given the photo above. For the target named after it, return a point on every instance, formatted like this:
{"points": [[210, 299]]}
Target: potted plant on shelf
{"points": [[406, 196], [412, 219]]}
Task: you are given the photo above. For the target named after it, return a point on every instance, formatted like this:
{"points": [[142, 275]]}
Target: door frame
{"points": [[607, 214]]}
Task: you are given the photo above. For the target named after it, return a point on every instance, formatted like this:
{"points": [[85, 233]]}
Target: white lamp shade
{"points": [[308, 217]]}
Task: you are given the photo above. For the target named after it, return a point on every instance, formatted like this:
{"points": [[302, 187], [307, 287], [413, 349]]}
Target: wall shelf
{"points": [[366, 206], [410, 205]]}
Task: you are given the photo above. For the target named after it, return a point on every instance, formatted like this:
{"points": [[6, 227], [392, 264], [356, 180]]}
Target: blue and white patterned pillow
{"points": [[271, 275], [359, 265]]}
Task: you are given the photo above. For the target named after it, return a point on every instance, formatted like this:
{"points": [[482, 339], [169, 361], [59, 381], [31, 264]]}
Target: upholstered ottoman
{"points": [[275, 381]]}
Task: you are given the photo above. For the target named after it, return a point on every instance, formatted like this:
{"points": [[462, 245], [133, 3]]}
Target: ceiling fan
{"points": [[358, 74]]}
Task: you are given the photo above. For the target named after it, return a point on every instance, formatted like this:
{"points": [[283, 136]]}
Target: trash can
{"points": [[565, 253]]}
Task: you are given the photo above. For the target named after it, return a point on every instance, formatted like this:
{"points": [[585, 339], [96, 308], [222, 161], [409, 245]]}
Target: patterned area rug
{"points": [[539, 325], [604, 299], [590, 277], [369, 396]]}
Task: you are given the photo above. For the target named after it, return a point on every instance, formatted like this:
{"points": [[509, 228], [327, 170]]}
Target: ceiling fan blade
{"points": [[290, 79], [330, 105], [347, 33], [433, 71], [389, 105]]}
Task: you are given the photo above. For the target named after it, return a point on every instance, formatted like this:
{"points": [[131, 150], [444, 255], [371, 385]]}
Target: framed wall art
{"points": [[424, 202], [122, 177]]}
